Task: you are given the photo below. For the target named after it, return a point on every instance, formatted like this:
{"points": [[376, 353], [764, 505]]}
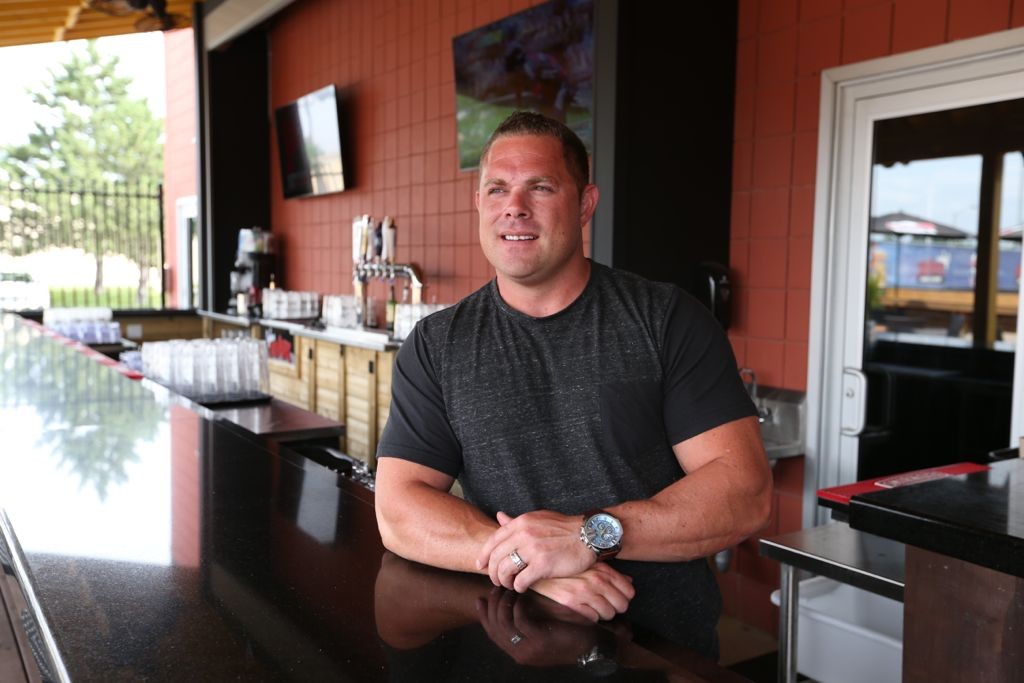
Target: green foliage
{"points": [[108, 297], [79, 179], [93, 130]]}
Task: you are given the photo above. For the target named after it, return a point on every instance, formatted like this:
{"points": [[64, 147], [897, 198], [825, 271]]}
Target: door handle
{"points": [[854, 402]]}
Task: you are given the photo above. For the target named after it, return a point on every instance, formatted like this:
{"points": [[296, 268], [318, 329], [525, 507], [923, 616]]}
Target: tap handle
{"points": [[376, 243], [388, 247], [357, 239]]}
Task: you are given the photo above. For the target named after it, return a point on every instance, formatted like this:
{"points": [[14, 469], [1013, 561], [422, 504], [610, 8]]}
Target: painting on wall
{"points": [[541, 59]]}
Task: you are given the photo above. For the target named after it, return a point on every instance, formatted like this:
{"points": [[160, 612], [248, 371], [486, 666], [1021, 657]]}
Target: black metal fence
{"points": [[87, 244]]}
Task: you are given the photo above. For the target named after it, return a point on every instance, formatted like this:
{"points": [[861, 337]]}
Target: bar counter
{"points": [[964, 571], [153, 540]]}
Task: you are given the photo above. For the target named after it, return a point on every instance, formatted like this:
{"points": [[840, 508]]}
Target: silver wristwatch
{"points": [[602, 533]]}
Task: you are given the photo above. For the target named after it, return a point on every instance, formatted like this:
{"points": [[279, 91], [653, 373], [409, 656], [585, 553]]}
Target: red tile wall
{"points": [[395, 58], [783, 45], [179, 143]]}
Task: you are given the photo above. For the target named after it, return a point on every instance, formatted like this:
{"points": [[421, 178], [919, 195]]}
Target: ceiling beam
{"points": [[24, 22]]}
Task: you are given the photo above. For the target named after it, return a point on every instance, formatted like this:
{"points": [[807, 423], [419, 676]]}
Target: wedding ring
{"points": [[516, 560], [516, 638]]}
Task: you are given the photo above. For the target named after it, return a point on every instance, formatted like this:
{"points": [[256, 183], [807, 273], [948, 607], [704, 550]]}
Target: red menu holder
{"points": [[838, 497]]}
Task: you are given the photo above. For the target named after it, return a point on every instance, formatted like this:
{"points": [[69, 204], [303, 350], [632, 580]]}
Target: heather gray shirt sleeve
{"points": [[701, 385], [418, 428]]}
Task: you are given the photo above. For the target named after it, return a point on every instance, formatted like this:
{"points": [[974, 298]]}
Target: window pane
{"points": [[923, 250]]}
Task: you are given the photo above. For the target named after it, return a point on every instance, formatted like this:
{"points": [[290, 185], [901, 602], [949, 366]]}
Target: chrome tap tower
{"points": [[373, 257]]}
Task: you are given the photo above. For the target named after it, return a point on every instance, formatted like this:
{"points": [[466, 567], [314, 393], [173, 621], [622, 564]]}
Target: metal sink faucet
{"points": [[763, 414]]}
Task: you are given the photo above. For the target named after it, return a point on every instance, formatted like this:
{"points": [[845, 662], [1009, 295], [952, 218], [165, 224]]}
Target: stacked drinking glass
{"points": [[340, 310], [209, 371], [407, 315], [282, 304]]}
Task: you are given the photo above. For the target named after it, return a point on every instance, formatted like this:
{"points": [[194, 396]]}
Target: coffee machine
{"points": [[254, 270]]}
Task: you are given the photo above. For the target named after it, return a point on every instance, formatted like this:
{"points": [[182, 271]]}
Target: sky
{"points": [[26, 66], [947, 190]]}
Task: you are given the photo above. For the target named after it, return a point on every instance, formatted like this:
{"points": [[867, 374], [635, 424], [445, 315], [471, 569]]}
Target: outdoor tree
{"points": [[99, 146]]}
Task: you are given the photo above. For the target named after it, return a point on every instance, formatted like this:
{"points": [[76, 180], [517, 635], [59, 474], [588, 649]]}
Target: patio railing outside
{"points": [[84, 244]]}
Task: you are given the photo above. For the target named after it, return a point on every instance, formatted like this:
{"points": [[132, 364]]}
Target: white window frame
{"points": [[960, 74]]}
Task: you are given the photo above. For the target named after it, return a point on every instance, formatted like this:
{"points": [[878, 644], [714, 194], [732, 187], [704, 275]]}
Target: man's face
{"points": [[531, 213]]}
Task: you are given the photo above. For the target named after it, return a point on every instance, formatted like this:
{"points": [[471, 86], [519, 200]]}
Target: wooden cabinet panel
{"points": [[144, 328], [329, 384], [294, 382], [385, 363], [361, 403], [345, 383], [961, 622]]}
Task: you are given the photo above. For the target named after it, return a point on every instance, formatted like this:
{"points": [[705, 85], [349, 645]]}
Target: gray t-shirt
{"points": [[570, 412]]}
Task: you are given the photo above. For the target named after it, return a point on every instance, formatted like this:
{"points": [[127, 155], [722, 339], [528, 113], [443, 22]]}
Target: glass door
{"points": [[941, 288]]}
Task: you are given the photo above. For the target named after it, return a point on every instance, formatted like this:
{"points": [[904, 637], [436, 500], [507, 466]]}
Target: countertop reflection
{"points": [[164, 543]]}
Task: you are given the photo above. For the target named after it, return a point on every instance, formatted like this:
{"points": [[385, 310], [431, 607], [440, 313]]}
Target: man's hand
{"points": [[600, 592], [547, 541]]}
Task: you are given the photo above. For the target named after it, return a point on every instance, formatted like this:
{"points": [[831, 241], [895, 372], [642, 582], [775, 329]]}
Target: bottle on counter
{"points": [[389, 309], [273, 282]]}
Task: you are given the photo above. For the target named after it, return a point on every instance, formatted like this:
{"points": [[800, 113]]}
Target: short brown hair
{"points": [[532, 123]]}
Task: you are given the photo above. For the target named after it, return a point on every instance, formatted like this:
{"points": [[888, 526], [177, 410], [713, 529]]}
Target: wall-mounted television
{"points": [[309, 143], [541, 59]]}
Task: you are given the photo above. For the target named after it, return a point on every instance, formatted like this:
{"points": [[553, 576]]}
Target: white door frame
{"points": [[959, 74], [185, 208]]}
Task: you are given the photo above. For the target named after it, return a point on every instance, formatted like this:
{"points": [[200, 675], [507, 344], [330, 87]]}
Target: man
{"points": [[570, 400]]}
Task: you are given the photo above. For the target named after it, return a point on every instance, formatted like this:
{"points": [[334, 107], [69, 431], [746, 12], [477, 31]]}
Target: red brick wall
{"points": [[783, 47], [179, 147], [396, 59]]}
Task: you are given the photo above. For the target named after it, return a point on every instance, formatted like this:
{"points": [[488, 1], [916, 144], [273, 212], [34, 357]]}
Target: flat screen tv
{"points": [[309, 144], [541, 59]]}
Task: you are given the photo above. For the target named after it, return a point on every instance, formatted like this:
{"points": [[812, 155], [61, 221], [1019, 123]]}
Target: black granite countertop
{"points": [[162, 543], [975, 517]]}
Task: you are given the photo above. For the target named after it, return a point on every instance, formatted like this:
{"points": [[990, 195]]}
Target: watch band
{"points": [[606, 553]]}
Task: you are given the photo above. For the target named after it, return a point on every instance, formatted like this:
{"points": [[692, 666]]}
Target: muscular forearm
{"points": [[431, 526], [713, 508], [419, 520], [725, 497]]}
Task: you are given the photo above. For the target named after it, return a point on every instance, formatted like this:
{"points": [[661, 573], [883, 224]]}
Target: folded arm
{"points": [[419, 520], [724, 497]]}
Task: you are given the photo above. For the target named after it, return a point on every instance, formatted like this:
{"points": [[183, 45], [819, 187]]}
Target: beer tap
{"points": [[373, 258], [360, 229]]}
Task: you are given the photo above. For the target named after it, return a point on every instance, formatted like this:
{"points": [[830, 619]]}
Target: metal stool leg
{"points": [[789, 595]]}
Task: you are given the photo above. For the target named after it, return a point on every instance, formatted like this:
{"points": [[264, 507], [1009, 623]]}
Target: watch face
{"points": [[603, 531]]}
